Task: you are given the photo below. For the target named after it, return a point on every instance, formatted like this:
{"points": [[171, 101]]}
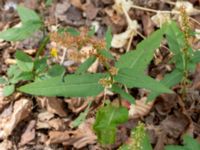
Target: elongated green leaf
{"points": [[132, 79], [8, 90], [189, 144], [169, 81], [106, 122], [20, 33], [84, 66], [174, 37], [140, 58], [73, 85], [123, 94], [3, 80], [108, 38], [24, 61], [106, 53], [27, 14], [196, 57]]}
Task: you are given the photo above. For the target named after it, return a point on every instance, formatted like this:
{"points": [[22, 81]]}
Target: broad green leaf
{"points": [[3, 80], [134, 79], [72, 85], [141, 57], [24, 62], [56, 70], [169, 81], [196, 57], [189, 144], [13, 71], [40, 65], [86, 65], [8, 90], [106, 53], [20, 33], [146, 145], [107, 120], [27, 15], [108, 38], [25, 76], [115, 88], [175, 38], [176, 42]]}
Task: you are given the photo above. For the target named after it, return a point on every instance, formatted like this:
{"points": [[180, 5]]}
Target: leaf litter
{"points": [[45, 122]]}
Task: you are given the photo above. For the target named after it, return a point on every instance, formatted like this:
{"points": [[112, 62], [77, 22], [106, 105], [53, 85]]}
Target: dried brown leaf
{"points": [[29, 133], [21, 110], [140, 108]]}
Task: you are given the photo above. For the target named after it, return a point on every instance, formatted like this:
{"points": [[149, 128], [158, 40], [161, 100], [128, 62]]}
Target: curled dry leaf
{"points": [[43, 118], [140, 108], [57, 124], [173, 127], [84, 135], [160, 18], [21, 110], [189, 8], [6, 145], [121, 5], [119, 40], [86, 51], [53, 105], [78, 138], [29, 133], [165, 103]]}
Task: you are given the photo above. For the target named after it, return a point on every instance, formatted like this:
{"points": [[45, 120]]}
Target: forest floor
{"points": [[45, 123]]}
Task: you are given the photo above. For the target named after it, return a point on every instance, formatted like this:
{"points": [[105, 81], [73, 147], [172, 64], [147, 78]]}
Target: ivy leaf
{"points": [[140, 58], [24, 62], [123, 94], [189, 144], [107, 120], [84, 66], [72, 85], [8, 90], [134, 79], [108, 38]]}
